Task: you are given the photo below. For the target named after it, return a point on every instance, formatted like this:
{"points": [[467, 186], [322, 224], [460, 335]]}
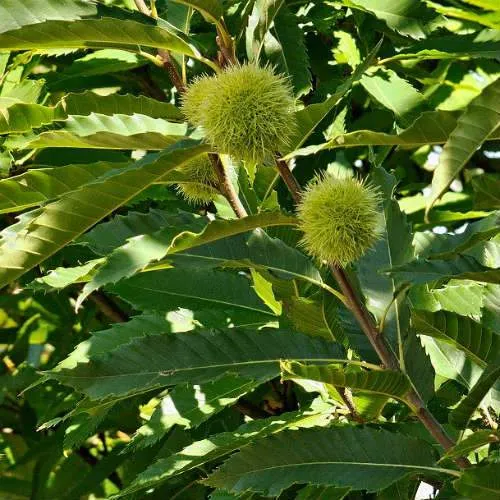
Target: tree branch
{"points": [[377, 340], [227, 187], [108, 307], [165, 56]]}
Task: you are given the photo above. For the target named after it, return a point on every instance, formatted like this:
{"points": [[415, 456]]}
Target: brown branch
{"points": [[227, 187], [108, 307], [165, 57], [250, 410], [377, 340], [346, 396], [172, 71]]}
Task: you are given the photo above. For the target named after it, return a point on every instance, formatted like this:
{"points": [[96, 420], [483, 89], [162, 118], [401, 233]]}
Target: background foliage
{"points": [[156, 349]]}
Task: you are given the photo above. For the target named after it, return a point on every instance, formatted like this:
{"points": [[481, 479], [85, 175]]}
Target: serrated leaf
{"points": [[477, 122], [480, 483], [408, 17], [107, 236], [218, 445], [461, 267], [284, 47], [160, 360], [206, 249], [394, 93], [52, 229], [487, 190], [322, 493], [86, 103], [443, 246], [386, 382], [431, 127], [95, 130], [489, 19], [359, 458], [393, 248], [167, 290], [486, 43], [16, 116], [211, 10], [311, 116], [259, 22], [472, 442], [189, 406], [461, 415], [96, 26], [480, 343], [39, 185]]}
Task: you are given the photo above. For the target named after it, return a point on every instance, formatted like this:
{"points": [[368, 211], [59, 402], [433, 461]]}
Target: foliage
{"points": [[249, 249]]}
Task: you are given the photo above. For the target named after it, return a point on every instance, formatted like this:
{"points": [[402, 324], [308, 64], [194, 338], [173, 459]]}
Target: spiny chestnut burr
{"points": [[246, 111], [340, 219]]}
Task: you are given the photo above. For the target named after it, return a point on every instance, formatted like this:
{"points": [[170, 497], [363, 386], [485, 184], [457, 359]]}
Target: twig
{"points": [[346, 396], [172, 71], [142, 7], [227, 187], [377, 340], [168, 64], [250, 410], [108, 307]]}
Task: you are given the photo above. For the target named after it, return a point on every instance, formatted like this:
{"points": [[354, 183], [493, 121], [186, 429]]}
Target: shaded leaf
{"points": [[160, 360], [480, 483], [478, 121], [52, 229], [361, 458]]}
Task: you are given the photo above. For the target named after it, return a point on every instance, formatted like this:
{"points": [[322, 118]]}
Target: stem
{"points": [[346, 395], [227, 187], [171, 68], [377, 340], [142, 7], [108, 307]]}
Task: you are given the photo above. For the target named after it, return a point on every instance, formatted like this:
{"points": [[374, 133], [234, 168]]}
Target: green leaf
{"points": [[386, 382], [39, 185], [159, 360], [259, 22], [480, 483], [51, 229], [392, 249], [322, 493], [431, 127], [394, 93], [311, 116], [219, 445], [189, 406], [408, 17], [17, 116], [95, 27], [18, 13], [489, 19], [167, 290], [461, 267], [284, 47], [107, 236], [444, 246], [477, 122], [87, 103], [361, 458], [462, 414], [206, 249], [211, 10], [472, 442], [487, 190], [106, 132], [478, 342], [483, 44]]}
